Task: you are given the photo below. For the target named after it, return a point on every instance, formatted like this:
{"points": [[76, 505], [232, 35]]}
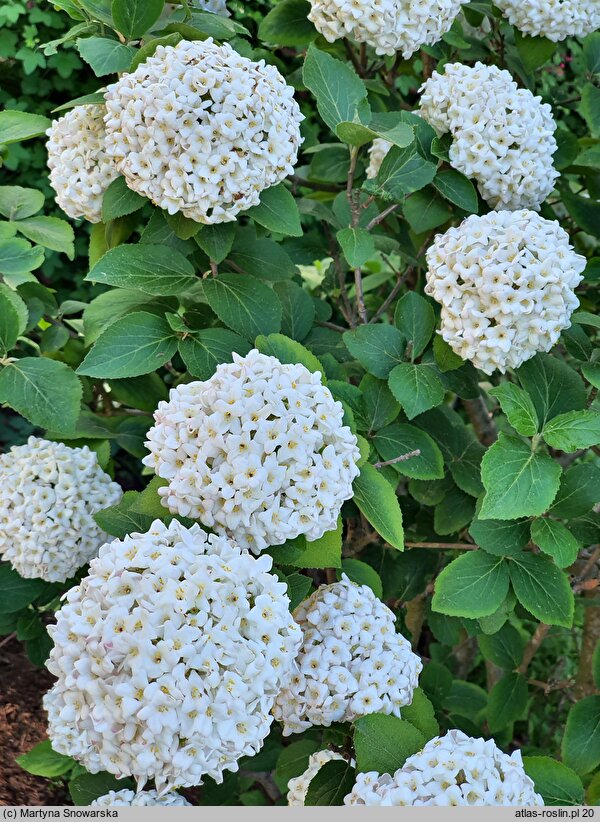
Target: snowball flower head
{"points": [[80, 168], [351, 662], [506, 283], [48, 496], [169, 656], [199, 129], [258, 452], [127, 797], [299, 785], [454, 769], [503, 135], [554, 19], [386, 25]]}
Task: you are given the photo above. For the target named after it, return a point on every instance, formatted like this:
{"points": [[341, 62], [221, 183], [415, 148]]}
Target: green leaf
{"points": [[377, 500], [402, 171], [133, 18], [325, 552], [20, 125], [136, 344], [383, 743], [557, 784], [43, 761], [591, 371], [50, 232], [45, 392], [380, 405], [542, 588], [590, 108], [288, 351], [457, 188], [121, 519], [105, 309], [87, 787], [18, 257], [425, 210], [340, 93], [518, 482], [416, 387], [263, 258], [357, 245], [518, 407], [11, 326], [581, 742], [397, 439], [473, 585], [378, 348], [414, 317], [245, 305], [591, 52], [149, 47], [454, 512], [556, 540], [277, 212], [596, 665], [298, 310], [293, 759], [553, 386], [16, 202], [216, 240], [153, 269], [95, 98], [445, 358], [421, 714], [331, 784], [204, 350], [573, 430], [16, 592], [287, 24], [298, 588], [504, 648], [579, 491], [105, 56], [533, 51], [387, 125], [120, 200], [500, 537], [584, 210], [361, 573], [507, 701]]}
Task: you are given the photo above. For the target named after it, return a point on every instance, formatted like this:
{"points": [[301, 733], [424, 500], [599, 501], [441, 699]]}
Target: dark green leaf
{"points": [[204, 350], [457, 188], [331, 784], [216, 240], [504, 648], [398, 439], [361, 573], [287, 24], [507, 701], [581, 742], [414, 317], [16, 592], [298, 310], [542, 588], [556, 540], [277, 211], [573, 430], [153, 269], [133, 18], [473, 585], [384, 743], [378, 348], [245, 305], [105, 56], [553, 386], [416, 387], [557, 784], [579, 491], [120, 200], [357, 245]]}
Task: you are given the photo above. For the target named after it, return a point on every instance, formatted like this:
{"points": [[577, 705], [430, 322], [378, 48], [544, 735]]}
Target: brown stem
{"points": [[353, 58], [414, 617], [333, 326], [401, 458], [533, 646], [214, 269], [482, 421], [454, 546], [381, 217], [360, 297]]}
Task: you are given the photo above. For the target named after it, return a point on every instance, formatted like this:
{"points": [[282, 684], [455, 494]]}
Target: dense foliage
{"points": [[446, 457]]}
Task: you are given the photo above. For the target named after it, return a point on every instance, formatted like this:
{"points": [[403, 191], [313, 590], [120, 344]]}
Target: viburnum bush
{"points": [[310, 384]]}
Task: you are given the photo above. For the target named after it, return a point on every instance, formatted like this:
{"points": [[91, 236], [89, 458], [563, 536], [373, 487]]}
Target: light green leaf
{"points": [[387, 125], [507, 701], [416, 387], [105, 309], [20, 125], [414, 317], [362, 574], [378, 348], [325, 552], [377, 500], [340, 93], [421, 714], [395, 440], [7, 295], [287, 24], [573, 430], [119, 200], [277, 211], [43, 761], [473, 585], [288, 351], [133, 18], [18, 257], [136, 344], [457, 188], [518, 407], [105, 56], [556, 540], [557, 784], [518, 482], [203, 350], [45, 392], [581, 742], [542, 588], [383, 743], [153, 269], [50, 232], [357, 245], [10, 321], [246, 305], [16, 202]]}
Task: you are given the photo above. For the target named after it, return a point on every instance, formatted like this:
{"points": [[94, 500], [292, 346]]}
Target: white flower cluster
{"points": [[298, 786], [503, 136], [48, 495], [127, 797], [351, 662], [386, 25], [214, 6], [454, 769], [506, 283], [258, 452], [80, 168], [169, 656], [554, 19], [199, 129]]}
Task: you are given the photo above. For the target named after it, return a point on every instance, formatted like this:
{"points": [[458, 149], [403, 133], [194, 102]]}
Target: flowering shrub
{"points": [[320, 278]]}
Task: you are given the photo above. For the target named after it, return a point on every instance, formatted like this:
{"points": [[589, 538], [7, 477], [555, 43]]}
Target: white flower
{"points": [[80, 168], [214, 6], [258, 452], [298, 786], [386, 25], [554, 19], [503, 136], [127, 797], [169, 656], [377, 152], [199, 129], [506, 283], [450, 770], [48, 495], [351, 662]]}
